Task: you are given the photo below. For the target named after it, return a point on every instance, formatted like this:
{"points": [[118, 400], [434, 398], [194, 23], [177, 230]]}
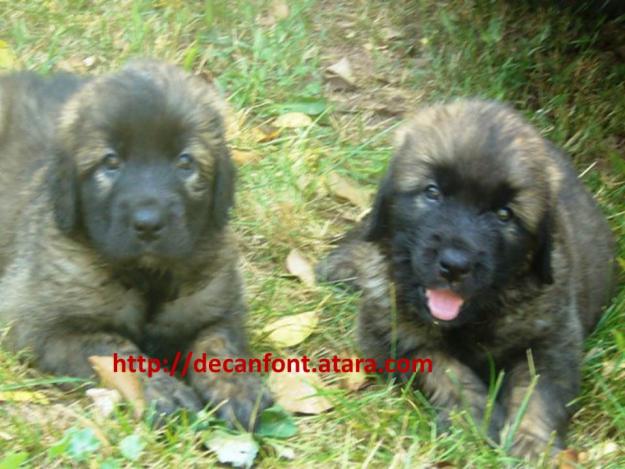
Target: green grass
{"points": [[563, 72]]}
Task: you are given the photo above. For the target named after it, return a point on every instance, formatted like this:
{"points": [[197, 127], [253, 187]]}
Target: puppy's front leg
{"points": [[454, 386], [67, 353], [451, 384], [546, 412], [241, 397]]}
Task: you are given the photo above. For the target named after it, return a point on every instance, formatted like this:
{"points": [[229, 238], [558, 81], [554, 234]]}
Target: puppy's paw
{"points": [[244, 410], [532, 447], [496, 422], [240, 399], [492, 427], [166, 395], [443, 421]]}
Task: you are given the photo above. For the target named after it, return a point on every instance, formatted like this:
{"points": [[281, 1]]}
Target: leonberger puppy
{"points": [[483, 251], [114, 200]]}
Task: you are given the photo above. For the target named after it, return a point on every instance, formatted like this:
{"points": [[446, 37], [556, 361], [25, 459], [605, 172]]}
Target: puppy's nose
{"points": [[454, 264], [147, 222]]}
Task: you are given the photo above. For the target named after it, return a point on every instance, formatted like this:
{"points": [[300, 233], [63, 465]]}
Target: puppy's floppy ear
{"points": [[541, 263], [64, 194], [223, 188], [378, 220]]}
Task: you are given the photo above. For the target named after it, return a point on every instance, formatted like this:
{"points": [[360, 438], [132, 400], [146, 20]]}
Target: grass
{"points": [[562, 70]]}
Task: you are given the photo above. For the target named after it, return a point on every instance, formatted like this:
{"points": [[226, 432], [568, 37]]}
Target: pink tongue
{"points": [[444, 304]]}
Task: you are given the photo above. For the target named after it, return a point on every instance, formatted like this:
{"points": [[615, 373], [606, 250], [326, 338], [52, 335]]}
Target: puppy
{"points": [[482, 245], [114, 201]]}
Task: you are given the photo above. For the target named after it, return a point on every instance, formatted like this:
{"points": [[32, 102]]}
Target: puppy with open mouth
{"points": [[482, 245]]}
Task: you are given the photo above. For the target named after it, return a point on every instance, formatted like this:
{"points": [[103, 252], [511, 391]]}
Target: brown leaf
{"points": [[392, 34], [303, 182], [71, 64], [352, 214], [299, 266], [293, 329], [341, 73], [234, 122], [297, 392], [348, 190], [279, 9], [292, 120], [265, 133], [242, 157], [567, 459], [128, 384], [355, 380]]}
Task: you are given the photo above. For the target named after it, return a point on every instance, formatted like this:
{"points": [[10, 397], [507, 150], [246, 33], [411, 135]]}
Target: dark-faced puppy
{"points": [[115, 194], [493, 248]]}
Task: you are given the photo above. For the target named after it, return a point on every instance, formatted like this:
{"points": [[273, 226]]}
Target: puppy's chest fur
{"points": [[502, 334], [174, 308], [161, 311]]}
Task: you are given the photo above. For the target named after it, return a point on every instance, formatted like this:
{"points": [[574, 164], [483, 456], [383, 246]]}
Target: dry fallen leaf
{"points": [[355, 380], [292, 120], [341, 73], [297, 392], [127, 383], [392, 34], [35, 397], [234, 121], [265, 133], [71, 64], [279, 9], [292, 330], [567, 459], [104, 400], [303, 182], [298, 265], [348, 190], [352, 215], [242, 157]]}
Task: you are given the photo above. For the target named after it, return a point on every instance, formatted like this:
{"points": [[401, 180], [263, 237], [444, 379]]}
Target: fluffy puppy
{"points": [[487, 246], [114, 201]]}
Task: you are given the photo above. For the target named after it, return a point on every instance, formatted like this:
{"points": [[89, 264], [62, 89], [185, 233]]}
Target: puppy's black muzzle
{"points": [[148, 222]]}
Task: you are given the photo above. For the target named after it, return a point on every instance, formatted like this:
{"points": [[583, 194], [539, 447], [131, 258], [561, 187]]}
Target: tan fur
{"points": [[550, 319], [65, 302]]}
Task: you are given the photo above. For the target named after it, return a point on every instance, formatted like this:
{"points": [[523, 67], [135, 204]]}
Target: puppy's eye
{"points": [[186, 162], [432, 192], [111, 162], [504, 214]]}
